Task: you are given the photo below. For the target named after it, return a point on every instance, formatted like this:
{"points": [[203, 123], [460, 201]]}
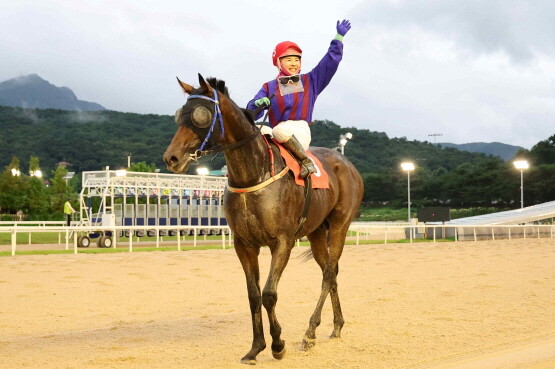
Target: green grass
{"points": [[52, 238], [387, 214], [383, 215]]}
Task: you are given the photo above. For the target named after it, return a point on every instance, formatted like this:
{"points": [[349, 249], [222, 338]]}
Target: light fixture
{"points": [[36, 173], [407, 166], [202, 171], [343, 138], [521, 165]]}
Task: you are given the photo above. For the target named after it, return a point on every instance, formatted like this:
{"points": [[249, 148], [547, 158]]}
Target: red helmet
{"points": [[285, 48]]}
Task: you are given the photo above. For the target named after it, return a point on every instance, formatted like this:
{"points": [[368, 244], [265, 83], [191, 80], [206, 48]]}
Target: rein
{"points": [[218, 118]]}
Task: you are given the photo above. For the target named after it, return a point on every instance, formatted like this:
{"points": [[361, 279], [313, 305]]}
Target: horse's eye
{"points": [[178, 114], [201, 117]]}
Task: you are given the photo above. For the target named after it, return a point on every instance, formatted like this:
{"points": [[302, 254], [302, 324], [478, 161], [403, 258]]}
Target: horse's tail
{"points": [[306, 256]]}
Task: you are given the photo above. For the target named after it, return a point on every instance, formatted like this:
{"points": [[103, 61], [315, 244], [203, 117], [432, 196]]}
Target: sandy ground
{"points": [[488, 304]]}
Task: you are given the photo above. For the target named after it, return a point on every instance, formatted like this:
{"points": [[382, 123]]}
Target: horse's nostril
{"points": [[173, 160], [170, 160]]}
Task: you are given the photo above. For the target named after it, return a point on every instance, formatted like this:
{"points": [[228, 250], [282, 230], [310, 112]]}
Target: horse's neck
{"points": [[248, 164]]}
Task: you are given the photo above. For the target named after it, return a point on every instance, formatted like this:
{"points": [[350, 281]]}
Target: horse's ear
{"points": [[187, 88], [203, 84]]}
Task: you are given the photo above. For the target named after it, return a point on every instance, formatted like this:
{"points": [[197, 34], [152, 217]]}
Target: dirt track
{"points": [[446, 305]]}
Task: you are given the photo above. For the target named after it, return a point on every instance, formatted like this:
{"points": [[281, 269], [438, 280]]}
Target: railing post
{"points": [[130, 240], [114, 237], [14, 241]]}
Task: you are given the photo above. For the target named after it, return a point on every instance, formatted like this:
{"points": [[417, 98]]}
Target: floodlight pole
{"points": [[408, 193], [521, 188], [521, 165], [408, 167]]}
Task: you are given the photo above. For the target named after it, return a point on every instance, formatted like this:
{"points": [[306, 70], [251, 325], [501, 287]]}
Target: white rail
{"points": [[362, 232], [71, 233]]}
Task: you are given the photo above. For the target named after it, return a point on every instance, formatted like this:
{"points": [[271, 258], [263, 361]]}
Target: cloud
{"points": [[87, 117], [520, 29]]}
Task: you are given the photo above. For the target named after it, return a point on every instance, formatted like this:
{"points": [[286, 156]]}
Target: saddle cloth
{"points": [[319, 178]]}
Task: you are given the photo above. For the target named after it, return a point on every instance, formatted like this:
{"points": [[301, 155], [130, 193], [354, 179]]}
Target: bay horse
{"points": [[263, 208]]}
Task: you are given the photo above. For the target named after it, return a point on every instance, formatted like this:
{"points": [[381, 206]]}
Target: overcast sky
{"points": [[470, 70]]}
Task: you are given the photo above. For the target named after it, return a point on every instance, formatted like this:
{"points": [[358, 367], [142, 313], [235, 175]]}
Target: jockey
{"points": [[290, 110]]}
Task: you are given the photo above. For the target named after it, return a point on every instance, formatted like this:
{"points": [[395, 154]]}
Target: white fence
{"points": [[363, 232]]}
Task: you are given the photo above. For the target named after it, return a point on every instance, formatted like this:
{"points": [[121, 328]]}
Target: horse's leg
{"points": [[318, 244], [328, 260], [336, 241], [249, 260], [280, 257]]}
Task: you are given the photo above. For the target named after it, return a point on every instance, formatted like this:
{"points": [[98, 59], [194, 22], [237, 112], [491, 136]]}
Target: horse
{"points": [[265, 209]]}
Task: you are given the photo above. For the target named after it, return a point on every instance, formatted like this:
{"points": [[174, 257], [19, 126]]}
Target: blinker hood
{"points": [[200, 108]]}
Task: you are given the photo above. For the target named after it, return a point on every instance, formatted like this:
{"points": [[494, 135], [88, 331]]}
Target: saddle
{"points": [[319, 178]]}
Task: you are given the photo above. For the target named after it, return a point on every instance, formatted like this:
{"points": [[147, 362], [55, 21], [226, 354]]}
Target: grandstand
{"points": [[536, 214]]}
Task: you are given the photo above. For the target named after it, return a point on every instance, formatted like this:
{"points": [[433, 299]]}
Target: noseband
{"points": [[218, 118]]}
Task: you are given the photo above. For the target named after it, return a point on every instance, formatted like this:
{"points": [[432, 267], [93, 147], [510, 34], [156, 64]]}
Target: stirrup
{"points": [[307, 168]]}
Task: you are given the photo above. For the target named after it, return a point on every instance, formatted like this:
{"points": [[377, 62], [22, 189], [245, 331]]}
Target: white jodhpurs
{"points": [[299, 128]]}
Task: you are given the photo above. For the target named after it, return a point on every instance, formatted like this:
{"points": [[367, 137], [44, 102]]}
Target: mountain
{"points": [[34, 92], [501, 150]]}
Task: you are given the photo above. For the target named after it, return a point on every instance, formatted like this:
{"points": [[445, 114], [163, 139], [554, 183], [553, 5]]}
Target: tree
{"points": [[34, 164], [59, 190], [142, 166], [13, 189], [544, 152]]}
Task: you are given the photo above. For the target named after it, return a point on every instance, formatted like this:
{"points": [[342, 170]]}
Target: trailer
{"points": [[122, 198]]}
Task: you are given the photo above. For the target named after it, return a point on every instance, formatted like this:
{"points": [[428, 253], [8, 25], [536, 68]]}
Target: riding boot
{"points": [[295, 148]]}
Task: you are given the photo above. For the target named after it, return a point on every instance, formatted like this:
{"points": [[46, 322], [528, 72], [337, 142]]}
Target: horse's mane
{"points": [[220, 86]]}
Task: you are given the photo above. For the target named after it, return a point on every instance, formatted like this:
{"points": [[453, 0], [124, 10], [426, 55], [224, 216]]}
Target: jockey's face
{"points": [[290, 65]]}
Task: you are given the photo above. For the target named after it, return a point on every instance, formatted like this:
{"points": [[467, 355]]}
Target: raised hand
{"points": [[343, 27]]}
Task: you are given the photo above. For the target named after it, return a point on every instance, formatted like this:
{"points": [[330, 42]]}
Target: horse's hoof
{"points": [[279, 355], [308, 343], [248, 361]]}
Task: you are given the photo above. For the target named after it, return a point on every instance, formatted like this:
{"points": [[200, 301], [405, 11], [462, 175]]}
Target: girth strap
{"points": [[260, 185], [307, 201]]}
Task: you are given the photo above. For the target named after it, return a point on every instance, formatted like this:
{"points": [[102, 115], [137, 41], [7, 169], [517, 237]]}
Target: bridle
{"points": [[217, 118]]}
